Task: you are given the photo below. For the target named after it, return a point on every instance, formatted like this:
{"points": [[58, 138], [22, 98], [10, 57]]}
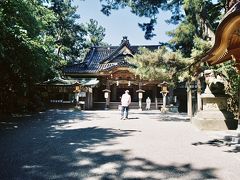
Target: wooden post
{"points": [[114, 93], [189, 99], [108, 99], [155, 96], [239, 103], [199, 100]]}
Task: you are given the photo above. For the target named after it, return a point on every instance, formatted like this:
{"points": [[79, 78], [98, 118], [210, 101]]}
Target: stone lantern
{"points": [[76, 91], [107, 97]]}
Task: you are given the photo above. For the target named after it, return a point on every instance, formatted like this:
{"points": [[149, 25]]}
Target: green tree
{"points": [[95, 33], [195, 24], [159, 65], [25, 49], [37, 37], [70, 37], [232, 87], [193, 15], [145, 8]]}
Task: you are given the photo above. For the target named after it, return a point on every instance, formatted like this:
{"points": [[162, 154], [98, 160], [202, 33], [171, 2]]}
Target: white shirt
{"points": [[126, 99]]}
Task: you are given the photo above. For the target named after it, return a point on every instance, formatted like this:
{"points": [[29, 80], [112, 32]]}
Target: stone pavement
{"points": [[68, 144]]}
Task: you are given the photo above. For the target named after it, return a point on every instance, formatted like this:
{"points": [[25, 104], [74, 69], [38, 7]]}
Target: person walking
{"points": [[125, 102], [148, 103]]}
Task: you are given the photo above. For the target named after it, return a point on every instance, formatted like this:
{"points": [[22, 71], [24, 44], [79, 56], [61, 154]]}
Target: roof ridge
{"points": [[90, 58], [125, 43]]}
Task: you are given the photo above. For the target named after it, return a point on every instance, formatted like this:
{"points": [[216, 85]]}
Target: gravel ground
{"points": [[68, 144]]}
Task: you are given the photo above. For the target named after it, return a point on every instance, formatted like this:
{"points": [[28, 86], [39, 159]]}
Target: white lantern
{"points": [[106, 95]]}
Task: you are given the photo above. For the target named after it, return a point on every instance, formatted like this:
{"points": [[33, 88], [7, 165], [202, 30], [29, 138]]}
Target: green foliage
{"points": [[194, 16], [195, 12], [146, 8], [95, 33], [36, 40], [25, 57], [182, 38], [200, 47], [197, 19], [69, 36], [232, 86], [160, 65], [72, 39]]}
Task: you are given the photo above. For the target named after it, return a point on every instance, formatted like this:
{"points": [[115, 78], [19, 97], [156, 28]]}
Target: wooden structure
{"points": [[227, 38], [111, 67], [68, 92], [214, 114]]}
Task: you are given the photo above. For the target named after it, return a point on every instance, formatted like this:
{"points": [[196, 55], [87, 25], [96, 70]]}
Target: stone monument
{"points": [[214, 114]]}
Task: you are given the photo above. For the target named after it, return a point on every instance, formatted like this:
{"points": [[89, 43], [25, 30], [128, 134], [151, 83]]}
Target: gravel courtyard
{"points": [[68, 144]]}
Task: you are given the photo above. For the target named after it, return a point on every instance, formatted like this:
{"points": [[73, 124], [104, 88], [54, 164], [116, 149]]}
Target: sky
{"points": [[123, 23]]}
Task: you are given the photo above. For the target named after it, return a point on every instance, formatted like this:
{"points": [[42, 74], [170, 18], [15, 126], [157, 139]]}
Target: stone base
{"points": [[214, 115], [215, 120], [215, 125], [77, 108], [173, 109], [164, 110]]}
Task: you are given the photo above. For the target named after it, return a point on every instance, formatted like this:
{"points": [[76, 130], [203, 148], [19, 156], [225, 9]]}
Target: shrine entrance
{"points": [[118, 91]]}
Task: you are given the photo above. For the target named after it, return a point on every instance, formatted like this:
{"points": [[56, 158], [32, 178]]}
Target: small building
{"points": [[59, 92], [110, 67]]}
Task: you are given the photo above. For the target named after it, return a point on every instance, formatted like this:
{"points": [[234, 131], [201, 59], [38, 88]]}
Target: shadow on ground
{"points": [[174, 117], [219, 143], [157, 115], [54, 145]]}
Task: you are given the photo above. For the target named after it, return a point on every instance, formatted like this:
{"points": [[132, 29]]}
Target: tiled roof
{"points": [[58, 81], [105, 58]]}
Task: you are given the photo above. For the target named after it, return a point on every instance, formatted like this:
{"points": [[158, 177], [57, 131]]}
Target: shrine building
{"points": [[111, 68], [100, 80]]}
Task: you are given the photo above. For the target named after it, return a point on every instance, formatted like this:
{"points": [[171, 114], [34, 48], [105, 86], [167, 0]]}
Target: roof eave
{"points": [[226, 28]]}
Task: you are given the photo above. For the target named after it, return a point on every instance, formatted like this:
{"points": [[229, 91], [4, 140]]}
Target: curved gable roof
{"points": [[106, 58], [227, 41]]}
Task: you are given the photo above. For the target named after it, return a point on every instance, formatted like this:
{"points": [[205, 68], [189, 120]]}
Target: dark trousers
{"points": [[124, 109]]}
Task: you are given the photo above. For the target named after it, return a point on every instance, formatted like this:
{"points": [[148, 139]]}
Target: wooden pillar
{"points": [[170, 95], [140, 85], [135, 94], [90, 102], [189, 99], [114, 92], [108, 99], [238, 109], [199, 91], [155, 96]]}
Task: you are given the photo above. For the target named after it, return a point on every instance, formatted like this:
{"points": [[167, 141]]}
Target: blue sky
{"points": [[122, 23]]}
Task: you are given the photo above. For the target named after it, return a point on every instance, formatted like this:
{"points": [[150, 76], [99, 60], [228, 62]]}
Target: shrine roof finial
{"points": [[125, 40]]}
